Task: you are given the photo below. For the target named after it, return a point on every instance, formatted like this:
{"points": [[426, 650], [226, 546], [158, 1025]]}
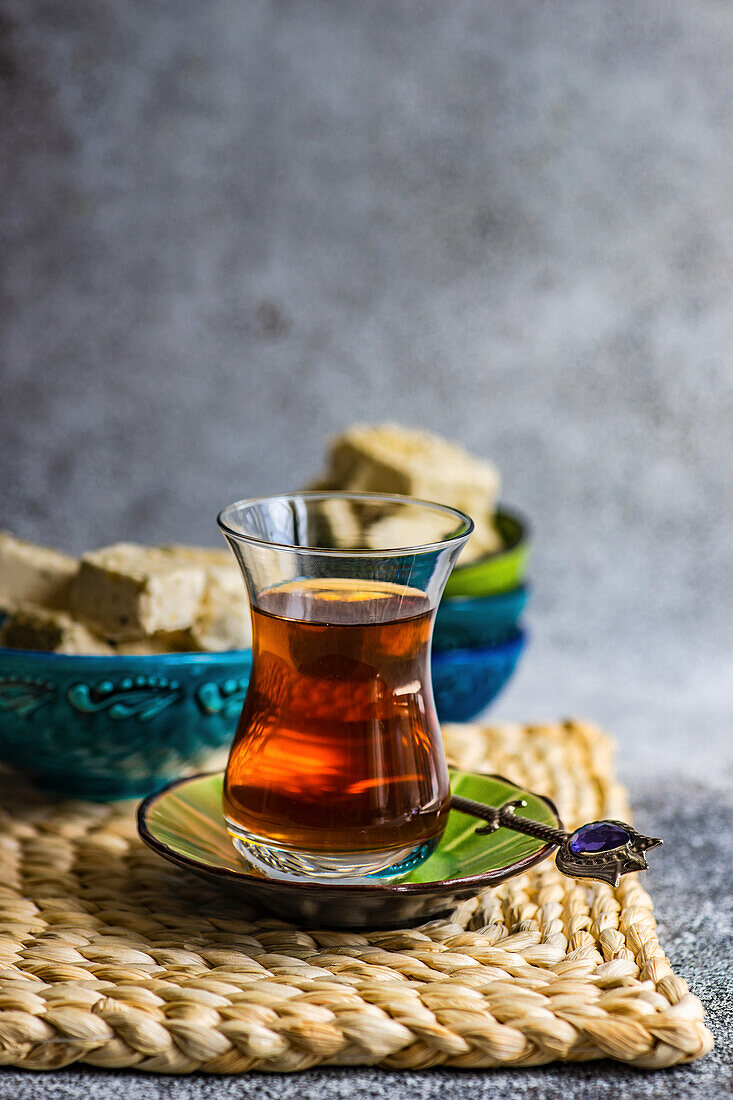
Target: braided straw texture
{"points": [[111, 957]]}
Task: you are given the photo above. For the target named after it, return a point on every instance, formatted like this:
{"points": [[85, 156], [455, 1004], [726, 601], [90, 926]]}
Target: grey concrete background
{"points": [[230, 228]]}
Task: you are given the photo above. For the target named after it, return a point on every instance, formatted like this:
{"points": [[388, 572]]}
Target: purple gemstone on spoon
{"points": [[598, 836]]}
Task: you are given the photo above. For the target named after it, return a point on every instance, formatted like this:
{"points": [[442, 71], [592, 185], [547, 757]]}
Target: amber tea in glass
{"points": [[337, 767]]}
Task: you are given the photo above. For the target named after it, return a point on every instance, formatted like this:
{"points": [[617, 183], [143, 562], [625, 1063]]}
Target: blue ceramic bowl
{"points": [[478, 621], [114, 727], [465, 681]]}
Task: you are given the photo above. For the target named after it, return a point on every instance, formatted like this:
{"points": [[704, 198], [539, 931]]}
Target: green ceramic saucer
{"points": [[184, 824]]}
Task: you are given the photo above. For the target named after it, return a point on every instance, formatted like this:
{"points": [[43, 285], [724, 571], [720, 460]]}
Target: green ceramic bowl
{"points": [[497, 572], [184, 824]]}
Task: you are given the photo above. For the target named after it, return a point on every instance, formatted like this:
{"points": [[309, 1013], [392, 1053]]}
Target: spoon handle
{"points": [[602, 850]]}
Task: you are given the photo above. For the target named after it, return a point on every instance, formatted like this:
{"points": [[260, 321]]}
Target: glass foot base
{"points": [[290, 863]]}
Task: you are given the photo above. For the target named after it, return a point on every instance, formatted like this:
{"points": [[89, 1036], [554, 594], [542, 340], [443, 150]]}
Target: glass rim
{"points": [[464, 528]]}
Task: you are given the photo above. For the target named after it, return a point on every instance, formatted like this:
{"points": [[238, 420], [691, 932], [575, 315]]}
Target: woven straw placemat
{"points": [[111, 957]]}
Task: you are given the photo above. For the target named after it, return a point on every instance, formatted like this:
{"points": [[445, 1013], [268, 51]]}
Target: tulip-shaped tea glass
{"points": [[337, 766]]}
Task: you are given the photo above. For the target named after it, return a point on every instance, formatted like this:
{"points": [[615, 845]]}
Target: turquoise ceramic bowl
{"points": [[478, 622], [465, 681], [114, 727]]}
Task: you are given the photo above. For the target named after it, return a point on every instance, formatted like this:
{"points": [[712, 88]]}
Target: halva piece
{"points": [[53, 631], [391, 459], [408, 527], [167, 641], [223, 619], [126, 591], [33, 574]]}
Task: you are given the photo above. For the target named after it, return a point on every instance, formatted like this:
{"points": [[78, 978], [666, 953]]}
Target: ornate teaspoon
{"points": [[603, 850]]}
